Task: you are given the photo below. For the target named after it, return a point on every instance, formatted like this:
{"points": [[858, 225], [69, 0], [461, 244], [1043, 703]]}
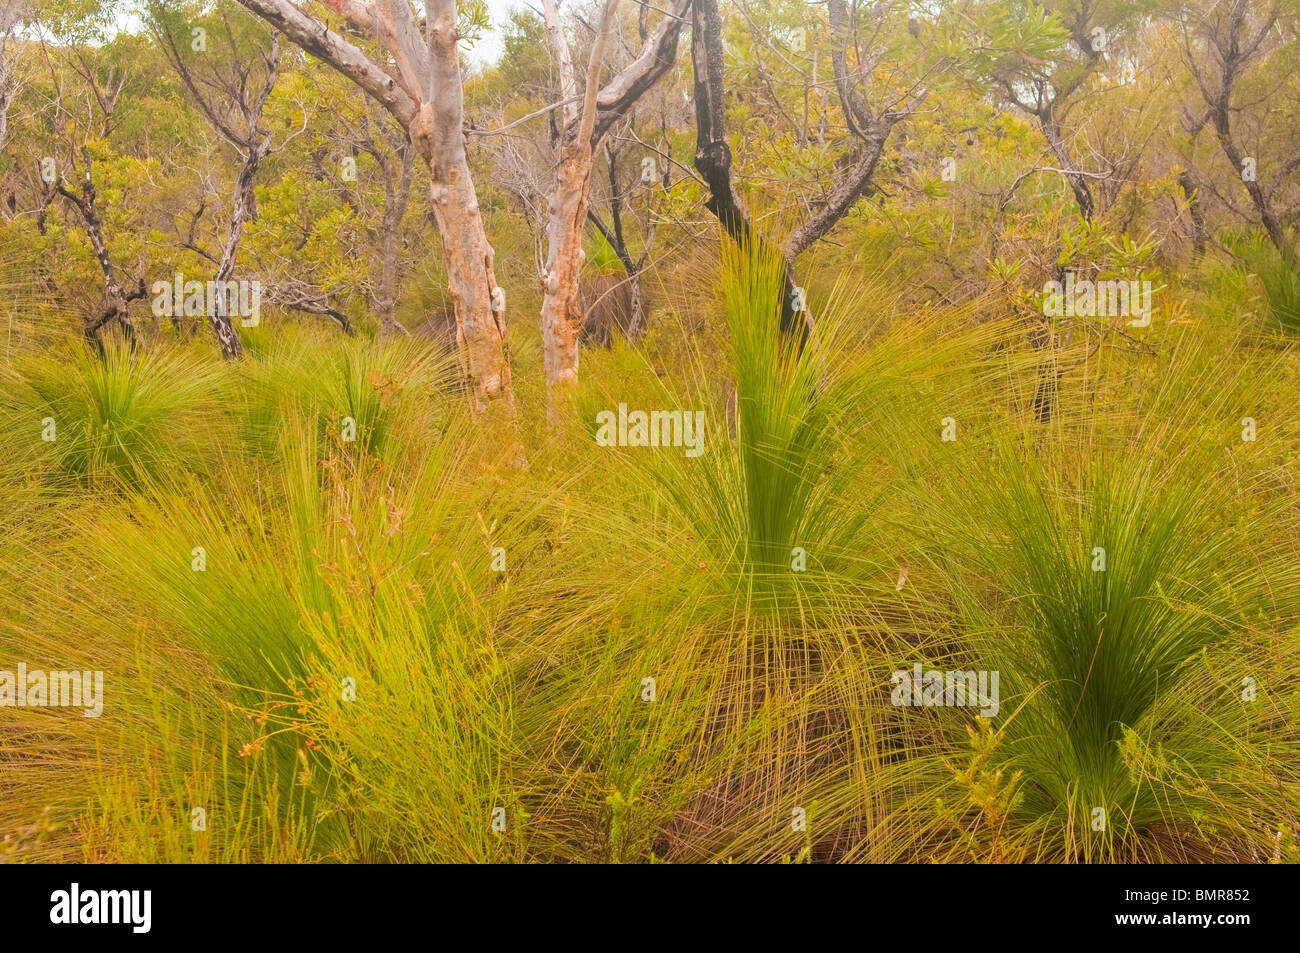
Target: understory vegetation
{"points": [[498, 623]]}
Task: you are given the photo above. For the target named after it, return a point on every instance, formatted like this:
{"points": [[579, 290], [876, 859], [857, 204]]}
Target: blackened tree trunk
{"points": [[116, 298], [713, 155]]}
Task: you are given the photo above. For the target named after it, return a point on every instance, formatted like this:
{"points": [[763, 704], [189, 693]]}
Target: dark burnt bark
{"points": [[713, 155], [116, 298]]}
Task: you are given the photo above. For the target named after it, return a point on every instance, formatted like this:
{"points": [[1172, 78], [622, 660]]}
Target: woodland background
{"points": [[827, 224]]}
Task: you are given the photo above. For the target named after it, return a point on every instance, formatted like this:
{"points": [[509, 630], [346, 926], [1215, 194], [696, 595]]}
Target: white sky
{"points": [[489, 48]]}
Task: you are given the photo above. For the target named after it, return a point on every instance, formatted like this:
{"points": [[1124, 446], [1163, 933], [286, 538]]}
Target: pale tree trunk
{"points": [[421, 89], [561, 304], [478, 300], [567, 212], [584, 125]]}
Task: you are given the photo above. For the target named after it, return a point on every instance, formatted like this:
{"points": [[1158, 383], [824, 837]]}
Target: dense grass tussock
{"points": [[338, 621]]}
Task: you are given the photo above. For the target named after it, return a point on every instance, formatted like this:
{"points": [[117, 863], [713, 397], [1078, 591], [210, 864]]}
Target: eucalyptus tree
{"points": [[587, 113], [417, 79]]}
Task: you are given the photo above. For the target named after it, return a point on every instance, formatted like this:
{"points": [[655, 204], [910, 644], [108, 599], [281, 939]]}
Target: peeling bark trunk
{"points": [[562, 311], [8, 81], [583, 129], [422, 90], [566, 209], [561, 305], [471, 281], [479, 302]]}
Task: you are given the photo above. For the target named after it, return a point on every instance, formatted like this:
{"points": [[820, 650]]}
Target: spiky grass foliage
{"points": [[339, 560], [1282, 289], [67, 608], [410, 706], [185, 793], [406, 703], [117, 423], [1107, 590], [391, 643], [806, 440], [782, 420], [122, 416], [764, 664], [1279, 280], [356, 389]]}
